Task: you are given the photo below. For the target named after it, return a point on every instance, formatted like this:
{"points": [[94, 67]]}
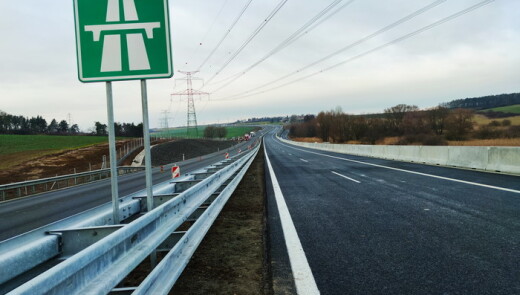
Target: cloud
{"points": [[476, 54]]}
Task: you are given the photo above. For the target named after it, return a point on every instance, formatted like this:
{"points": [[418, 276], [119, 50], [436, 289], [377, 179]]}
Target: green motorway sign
{"points": [[122, 39]]}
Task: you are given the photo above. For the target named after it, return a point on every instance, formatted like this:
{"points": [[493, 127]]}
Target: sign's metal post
{"points": [[112, 151], [147, 148], [147, 158]]}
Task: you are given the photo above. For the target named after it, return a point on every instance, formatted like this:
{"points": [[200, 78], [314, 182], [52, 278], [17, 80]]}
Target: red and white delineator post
{"points": [[226, 155], [176, 171]]}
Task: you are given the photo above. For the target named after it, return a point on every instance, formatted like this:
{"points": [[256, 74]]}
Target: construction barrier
{"points": [[176, 171]]}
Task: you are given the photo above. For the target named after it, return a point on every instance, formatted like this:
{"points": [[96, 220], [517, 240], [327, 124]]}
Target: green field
{"points": [[10, 144], [507, 109], [232, 131], [15, 149]]}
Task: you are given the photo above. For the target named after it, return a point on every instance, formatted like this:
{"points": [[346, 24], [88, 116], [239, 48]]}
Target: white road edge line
{"points": [[409, 171], [303, 160], [346, 177], [302, 273]]}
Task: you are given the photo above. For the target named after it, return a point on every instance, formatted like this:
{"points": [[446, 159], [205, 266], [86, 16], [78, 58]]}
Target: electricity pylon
{"points": [[190, 92]]}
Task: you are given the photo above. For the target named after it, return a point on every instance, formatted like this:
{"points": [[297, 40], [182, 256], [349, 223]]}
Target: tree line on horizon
{"points": [[407, 122], [20, 125], [12, 124], [121, 129], [485, 102]]}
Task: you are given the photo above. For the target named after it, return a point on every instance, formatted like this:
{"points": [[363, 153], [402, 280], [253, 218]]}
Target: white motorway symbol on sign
{"points": [[111, 41]]}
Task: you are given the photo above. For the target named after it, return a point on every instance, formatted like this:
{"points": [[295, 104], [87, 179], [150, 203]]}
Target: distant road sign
{"points": [[122, 40]]}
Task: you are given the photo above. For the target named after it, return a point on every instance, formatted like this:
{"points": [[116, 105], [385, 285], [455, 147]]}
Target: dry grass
{"points": [[487, 142], [307, 139], [483, 120], [9, 160], [388, 140]]}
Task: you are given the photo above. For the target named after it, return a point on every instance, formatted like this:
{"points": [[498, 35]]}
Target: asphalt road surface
{"points": [[25, 214], [372, 226]]}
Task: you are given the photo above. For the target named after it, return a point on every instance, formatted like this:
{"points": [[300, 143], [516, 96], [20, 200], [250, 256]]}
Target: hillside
{"points": [[485, 102]]}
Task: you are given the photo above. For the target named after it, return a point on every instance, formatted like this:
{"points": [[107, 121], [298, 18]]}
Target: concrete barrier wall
{"points": [[496, 159]]}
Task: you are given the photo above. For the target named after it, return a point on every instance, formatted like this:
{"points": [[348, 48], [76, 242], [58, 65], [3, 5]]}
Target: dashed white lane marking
{"points": [[409, 171], [303, 278], [346, 177], [303, 160]]}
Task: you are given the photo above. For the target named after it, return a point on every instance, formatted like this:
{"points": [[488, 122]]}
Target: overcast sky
{"points": [[476, 54]]}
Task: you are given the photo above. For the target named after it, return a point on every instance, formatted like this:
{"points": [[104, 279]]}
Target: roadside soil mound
{"points": [[171, 152], [65, 162]]}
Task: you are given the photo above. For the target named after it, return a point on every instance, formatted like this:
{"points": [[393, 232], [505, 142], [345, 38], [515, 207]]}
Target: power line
{"points": [[211, 26], [251, 37], [350, 46], [225, 34], [400, 39], [305, 29], [306, 32], [214, 21]]}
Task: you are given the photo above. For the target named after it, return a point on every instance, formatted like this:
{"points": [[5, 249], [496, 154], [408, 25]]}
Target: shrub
{"points": [[513, 132], [422, 139], [434, 140], [494, 123], [488, 132]]}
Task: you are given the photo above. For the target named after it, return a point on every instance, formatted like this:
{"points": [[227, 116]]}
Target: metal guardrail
{"points": [[164, 276], [21, 187], [102, 265]]}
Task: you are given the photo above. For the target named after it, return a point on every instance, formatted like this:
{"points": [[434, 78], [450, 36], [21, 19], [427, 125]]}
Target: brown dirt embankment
{"points": [[61, 163], [84, 159]]}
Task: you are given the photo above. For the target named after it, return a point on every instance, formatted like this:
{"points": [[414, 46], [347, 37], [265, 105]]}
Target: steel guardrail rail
{"points": [[164, 275], [101, 266], [19, 185]]}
